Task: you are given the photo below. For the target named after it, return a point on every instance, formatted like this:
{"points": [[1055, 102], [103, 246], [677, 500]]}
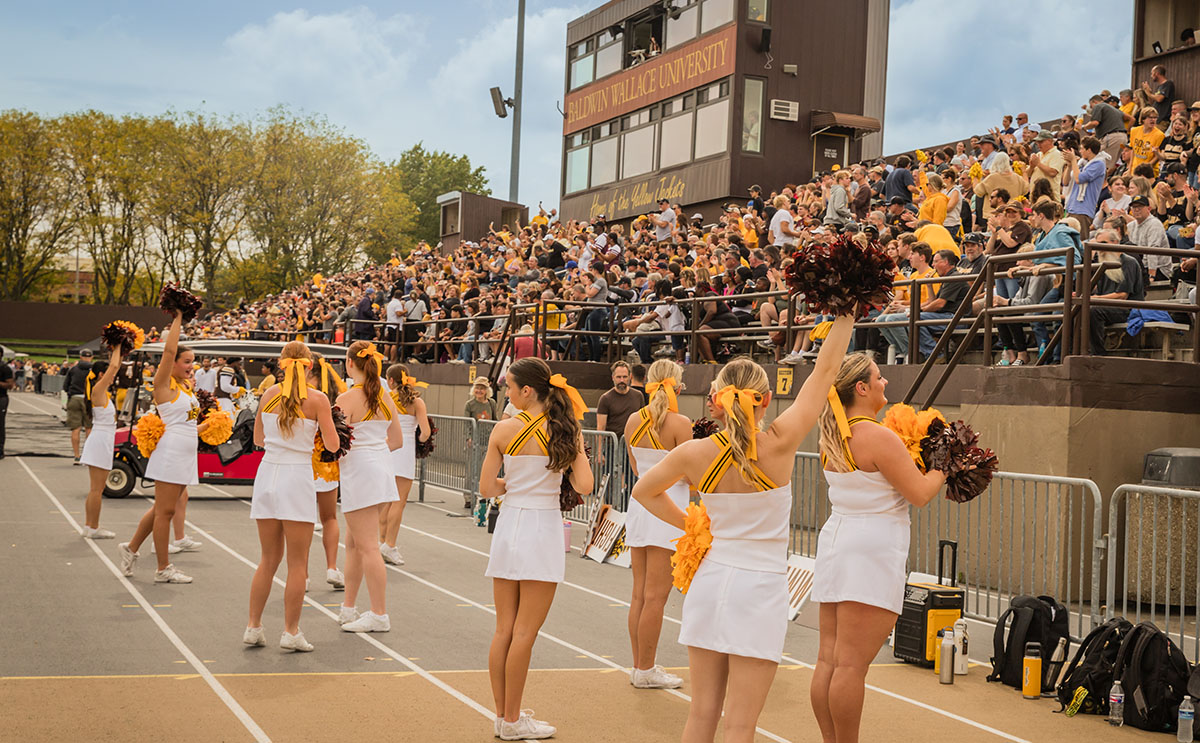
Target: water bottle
{"points": [[1187, 720], [961, 660], [946, 658], [687, 357], [1031, 671], [1056, 663], [1116, 704]]}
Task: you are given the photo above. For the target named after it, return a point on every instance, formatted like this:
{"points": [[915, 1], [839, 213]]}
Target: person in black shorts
{"points": [[7, 382]]}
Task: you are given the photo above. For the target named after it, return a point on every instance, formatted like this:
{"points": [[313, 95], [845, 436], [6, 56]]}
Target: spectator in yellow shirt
{"points": [[933, 208], [1145, 140], [1047, 164], [1129, 108], [936, 237]]}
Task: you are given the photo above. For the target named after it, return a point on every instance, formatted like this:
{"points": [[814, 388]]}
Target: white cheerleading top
{"points": [[750, 530], [180, 415], [284, 449], [104, 416], [529, 483], [858, 493]]}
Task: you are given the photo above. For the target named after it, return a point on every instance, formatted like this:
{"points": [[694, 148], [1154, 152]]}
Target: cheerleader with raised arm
{"points": [[537, 448], [321, 376], [650, 433], [172, 464], [366, 484], [98, 448], [414, 421], [736, 607], [284, 501], [863, 547]]}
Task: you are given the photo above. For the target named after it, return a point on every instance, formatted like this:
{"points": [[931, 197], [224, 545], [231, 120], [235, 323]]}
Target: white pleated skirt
{"points": [[366, 478], [528, 545], [98, 448], [404, 460], [736, 611], [862, 558], [644, 529], [174, 460], [285, 492]]}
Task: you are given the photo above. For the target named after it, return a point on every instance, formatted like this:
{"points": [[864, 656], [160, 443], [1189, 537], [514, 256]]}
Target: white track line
{"points": [[36, 408], [237, 709]]}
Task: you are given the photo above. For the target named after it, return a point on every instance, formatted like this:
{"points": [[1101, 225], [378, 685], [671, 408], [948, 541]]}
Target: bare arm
{"points": [[490, 485], [395, 434], [259, 435], [582, 479], [114, 364], [422, 416], [162, 375], [601, 421], [894, 462], [793, 424], [317, 407]]}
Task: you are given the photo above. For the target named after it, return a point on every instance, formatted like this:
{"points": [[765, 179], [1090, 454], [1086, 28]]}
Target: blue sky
{"points": [[394, 73]]}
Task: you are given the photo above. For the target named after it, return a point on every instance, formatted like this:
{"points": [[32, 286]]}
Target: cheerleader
{"points": [[650, 434], [321, 376], [413, 417], [863, 547], [735, 611], [284, 501], [527, 562], [98, 448], [172, 464], [366, 483]]}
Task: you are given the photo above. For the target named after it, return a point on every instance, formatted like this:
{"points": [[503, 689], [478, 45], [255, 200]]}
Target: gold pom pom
{"points": [[1018, 167], [922, 157], [976, 171], [148, 431], [691, 548], [218, 428], [911, 427]]}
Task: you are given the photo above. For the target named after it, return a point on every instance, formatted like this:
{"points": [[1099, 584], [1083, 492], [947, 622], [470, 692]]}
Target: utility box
{"points": [[1172, 467]]}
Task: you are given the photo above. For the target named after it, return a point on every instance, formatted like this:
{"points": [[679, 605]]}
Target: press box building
{"points": [[696, 100]]}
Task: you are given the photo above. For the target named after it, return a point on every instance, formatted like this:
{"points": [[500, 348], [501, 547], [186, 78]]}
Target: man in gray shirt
{"points": [[664, 223], [1109, 122]]}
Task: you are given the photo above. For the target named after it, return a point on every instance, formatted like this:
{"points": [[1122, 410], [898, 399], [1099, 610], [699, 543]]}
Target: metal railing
{"points": [[1154, 560], [449, 464]]}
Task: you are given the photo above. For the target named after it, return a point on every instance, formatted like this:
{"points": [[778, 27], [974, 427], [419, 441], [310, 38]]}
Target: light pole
{"points": [[514, 174]]}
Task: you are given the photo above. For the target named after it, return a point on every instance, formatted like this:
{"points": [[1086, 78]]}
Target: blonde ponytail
{"points": [[856, 367], [293, 386], [741, 388], [663, 381]]}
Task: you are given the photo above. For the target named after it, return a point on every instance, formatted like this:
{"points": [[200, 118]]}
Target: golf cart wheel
{"points": [[120, 480]]}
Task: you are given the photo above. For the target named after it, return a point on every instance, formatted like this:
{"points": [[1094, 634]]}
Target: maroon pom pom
{"points": [[174, 297], [705, 427], [345, 437], [969, 469], [118, 336], [208, 403], [568, 498], [834, 278], [425, 448]]}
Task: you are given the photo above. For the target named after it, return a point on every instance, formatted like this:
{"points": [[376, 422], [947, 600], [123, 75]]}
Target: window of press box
{"points": [[577, 169], [756, 10], [715, 13], [752, 109], [682, 22], [604, 161], [583, 71], [610, 57], [676, 140], [712, 128], [637, 152]]}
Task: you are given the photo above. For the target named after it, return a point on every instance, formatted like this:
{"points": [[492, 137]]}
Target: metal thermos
{"points": [[961, 659], [1056, 663], [946, 657], [1031, 671]]}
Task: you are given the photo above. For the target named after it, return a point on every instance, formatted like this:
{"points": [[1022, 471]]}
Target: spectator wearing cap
{"points": [[79, 411], [1047, 164], [972, 259], [901, 214], [1023, 125], [1109, 124], [1175, 204], [664, 223], [363, 329], [837, 201], [1087, 176], [756, 202], [1144, 229], [1009, 233], [1125, 282], [900, 182], [987, 149]]}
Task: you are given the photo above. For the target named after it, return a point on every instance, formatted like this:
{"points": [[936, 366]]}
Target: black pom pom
{"points": [[834, 278], [174, 297]]}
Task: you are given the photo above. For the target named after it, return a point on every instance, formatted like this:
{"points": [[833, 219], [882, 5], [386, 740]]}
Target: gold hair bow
{"points": [[577, 403], [747, 400], [372, 352], [406, 380], [289, 376], [667, 385], [839, 412]]}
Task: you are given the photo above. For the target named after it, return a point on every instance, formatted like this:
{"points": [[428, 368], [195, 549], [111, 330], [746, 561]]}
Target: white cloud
{"points": [[954, 69]]}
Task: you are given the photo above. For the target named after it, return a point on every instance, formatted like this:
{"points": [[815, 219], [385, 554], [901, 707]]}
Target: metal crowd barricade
{"points": [[449, 464], [1029, 534], [608, 458], [1154, 560]]}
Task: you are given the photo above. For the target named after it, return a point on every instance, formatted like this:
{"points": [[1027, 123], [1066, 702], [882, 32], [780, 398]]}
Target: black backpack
{"points": [[1039, 619], [1154, 676], [1088, 679]]}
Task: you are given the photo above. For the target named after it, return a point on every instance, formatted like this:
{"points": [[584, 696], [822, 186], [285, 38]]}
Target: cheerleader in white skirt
{"points": [[527, 561], [98, 449], [863, 547], [650, 434], [284, 502], [367, 483], [172, 465], [321, 376], [735, 611], [413, 421]]}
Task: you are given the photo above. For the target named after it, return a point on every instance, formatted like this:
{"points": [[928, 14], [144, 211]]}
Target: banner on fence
{"points": [[610, 525], [800, 573]]}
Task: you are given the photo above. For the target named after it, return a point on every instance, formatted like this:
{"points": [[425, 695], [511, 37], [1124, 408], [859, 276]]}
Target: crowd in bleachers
{"points": [[1123, 171]]}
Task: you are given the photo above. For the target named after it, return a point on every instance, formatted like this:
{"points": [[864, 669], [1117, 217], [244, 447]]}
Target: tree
{"points": [[424, 176], [36, 219]]}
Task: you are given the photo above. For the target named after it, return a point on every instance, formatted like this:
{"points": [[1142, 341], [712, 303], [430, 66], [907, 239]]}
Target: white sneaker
{"points": [[499, 721], [369, 622], [187, 544], [526, 728], [255, 637], [347, 615], [128, 558], [306, 585], [318, 526], [97, 533], [792, 359], [171, 549], [295, 642], [655, 678], [391, 554], [335, 579], [171, 574]]}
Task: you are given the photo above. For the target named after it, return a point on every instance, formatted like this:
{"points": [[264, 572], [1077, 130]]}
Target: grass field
{"points": [[40, 350]]}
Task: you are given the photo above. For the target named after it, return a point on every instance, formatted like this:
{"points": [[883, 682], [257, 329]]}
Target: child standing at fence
{"points": [[367, 483], [863, 547], [321, 376], [735, 611], [284, 502], [537, 448], [98, 448], [650, 433], [413, 418], [172, 464]]}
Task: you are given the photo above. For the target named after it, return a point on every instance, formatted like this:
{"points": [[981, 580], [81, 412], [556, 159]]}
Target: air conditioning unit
{"points": [[785, 110]]}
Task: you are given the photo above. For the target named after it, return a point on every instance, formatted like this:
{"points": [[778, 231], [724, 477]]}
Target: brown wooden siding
{"points": [[1183, 69], [603, 17]]}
